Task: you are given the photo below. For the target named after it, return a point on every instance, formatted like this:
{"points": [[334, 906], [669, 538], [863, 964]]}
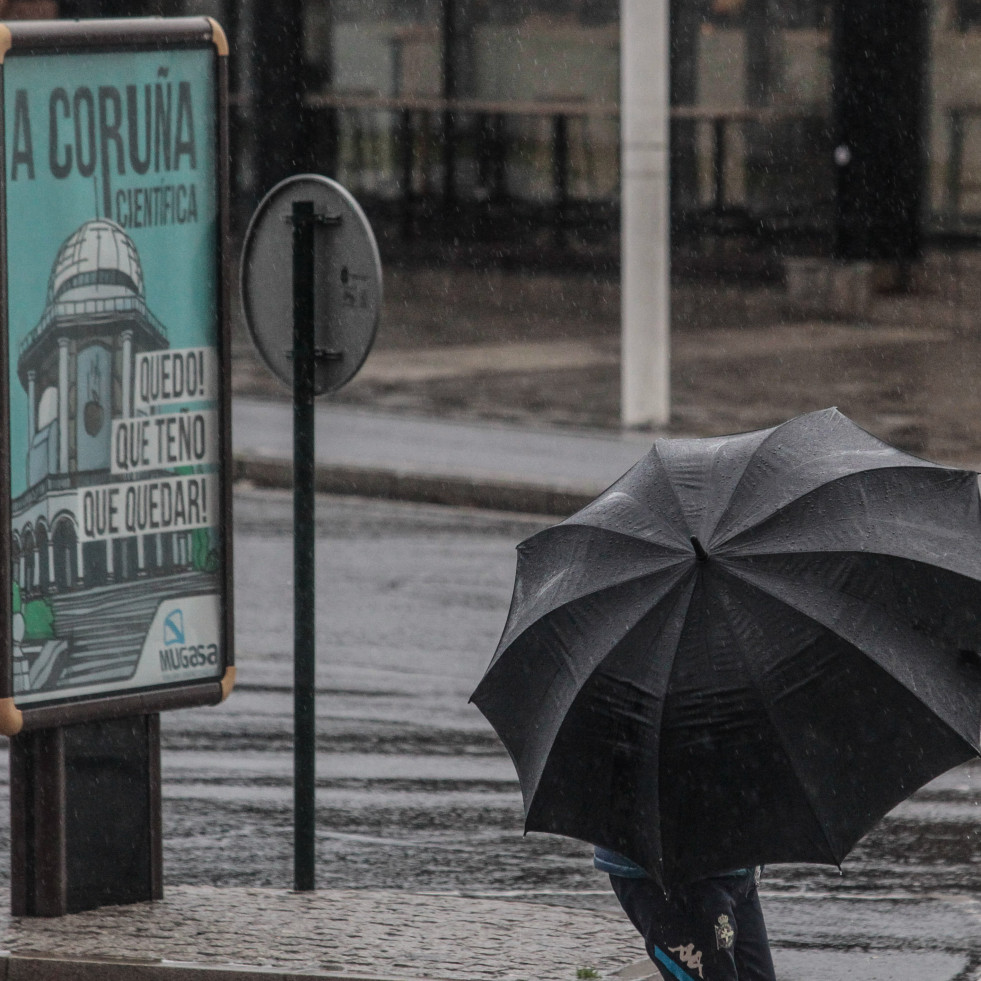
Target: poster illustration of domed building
{"points": [[78, 368], [112, 376]]}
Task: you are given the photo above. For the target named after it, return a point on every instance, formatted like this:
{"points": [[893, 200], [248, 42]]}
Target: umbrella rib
{"points": [[833, 629], [791, 757], [678, 548], [878, 553], [682, 620], [770, 514], [674, 491], [742, 476], [585, 518], [506, 640], [684, 586], [581, 683], [579, 678]]}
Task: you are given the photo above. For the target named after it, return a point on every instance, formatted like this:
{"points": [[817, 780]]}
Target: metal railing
{"points": [[416, 114], [545, 172]]}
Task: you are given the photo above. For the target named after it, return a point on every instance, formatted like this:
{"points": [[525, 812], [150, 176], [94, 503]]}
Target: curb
{"points": [[38, 967], [456, 491]]}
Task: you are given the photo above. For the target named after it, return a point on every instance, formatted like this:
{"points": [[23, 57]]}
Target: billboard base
{"points": [[85, 808]]}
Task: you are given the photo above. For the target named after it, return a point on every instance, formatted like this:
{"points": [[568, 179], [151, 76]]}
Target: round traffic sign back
{"points": [[347, 280]]}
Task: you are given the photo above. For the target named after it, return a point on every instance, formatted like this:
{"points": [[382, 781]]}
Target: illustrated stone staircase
{"points": [[105, 627]]}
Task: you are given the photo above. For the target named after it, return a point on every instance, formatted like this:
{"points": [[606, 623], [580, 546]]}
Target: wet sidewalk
{"points": [[203, 933], [259, 933], [535, 469]]}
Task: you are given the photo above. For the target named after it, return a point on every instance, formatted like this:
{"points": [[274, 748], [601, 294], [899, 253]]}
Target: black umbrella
{"points": [[745, 651]]}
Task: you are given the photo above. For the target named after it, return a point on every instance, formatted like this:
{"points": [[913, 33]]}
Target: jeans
{"points": [[710, 930]]}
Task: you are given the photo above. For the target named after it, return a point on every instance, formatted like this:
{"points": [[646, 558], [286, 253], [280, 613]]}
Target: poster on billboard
{"points": [[115, 333]]}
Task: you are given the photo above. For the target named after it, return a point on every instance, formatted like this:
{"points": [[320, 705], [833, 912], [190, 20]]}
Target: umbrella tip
{"points": [[700, 552]]}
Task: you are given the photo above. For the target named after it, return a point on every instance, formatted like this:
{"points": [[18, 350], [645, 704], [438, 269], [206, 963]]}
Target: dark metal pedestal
{"points": [[85, 816]]}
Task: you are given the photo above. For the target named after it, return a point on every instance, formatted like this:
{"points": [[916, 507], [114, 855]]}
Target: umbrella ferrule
{"points": [[700, 552]]}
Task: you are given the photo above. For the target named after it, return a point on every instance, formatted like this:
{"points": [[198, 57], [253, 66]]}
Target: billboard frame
{"points": [[48, 38]]}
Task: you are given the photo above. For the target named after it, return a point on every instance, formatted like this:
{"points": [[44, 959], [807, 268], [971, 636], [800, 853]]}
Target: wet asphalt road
{"points": [[413, 789], [415, 792]]}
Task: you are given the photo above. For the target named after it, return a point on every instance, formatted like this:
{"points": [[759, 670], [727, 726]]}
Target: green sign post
{"points": [[115, 365], [314, 329]]}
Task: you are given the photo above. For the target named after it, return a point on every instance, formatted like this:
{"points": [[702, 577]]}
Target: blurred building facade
{"points": [[845, 128]]}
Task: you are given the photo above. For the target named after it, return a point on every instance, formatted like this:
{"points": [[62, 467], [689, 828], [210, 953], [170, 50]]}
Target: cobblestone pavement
{"points": [[348, 932], [206, 933]]}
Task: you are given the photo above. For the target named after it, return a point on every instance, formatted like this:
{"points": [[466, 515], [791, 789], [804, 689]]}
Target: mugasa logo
{"points": [[174, 628], [176, 654]]}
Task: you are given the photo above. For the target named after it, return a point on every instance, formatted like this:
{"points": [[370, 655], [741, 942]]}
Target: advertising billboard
{"points": [[115, 368]]}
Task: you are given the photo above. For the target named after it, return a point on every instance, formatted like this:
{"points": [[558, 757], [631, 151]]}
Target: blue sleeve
{"points": [[613, 862]]}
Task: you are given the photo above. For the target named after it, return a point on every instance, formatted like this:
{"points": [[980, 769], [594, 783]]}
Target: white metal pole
{"points": [[644, 222]]}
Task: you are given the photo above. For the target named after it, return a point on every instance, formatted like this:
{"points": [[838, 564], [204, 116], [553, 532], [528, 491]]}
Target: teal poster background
{"points": [[42, 211], [114, 340]]}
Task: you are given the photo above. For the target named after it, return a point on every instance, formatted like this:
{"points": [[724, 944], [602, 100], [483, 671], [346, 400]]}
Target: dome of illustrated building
{"points": [[97, 261]]}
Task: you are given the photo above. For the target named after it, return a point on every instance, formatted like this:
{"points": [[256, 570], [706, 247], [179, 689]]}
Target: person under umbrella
{"points": [[746, 651], [712, 927]]}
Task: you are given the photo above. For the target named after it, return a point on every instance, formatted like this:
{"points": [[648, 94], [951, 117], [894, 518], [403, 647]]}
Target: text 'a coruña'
{"points": [[112, 131]]}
